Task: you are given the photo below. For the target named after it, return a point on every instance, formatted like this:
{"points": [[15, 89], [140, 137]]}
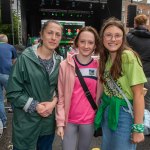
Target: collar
{"points": [[70, 59]]}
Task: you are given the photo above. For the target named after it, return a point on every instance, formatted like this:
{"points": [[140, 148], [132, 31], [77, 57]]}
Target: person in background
{"points": [[8, 57], [121, 66], [29, 41], [19, 48], [76, 31], [36, 41], [69, 32], [32, 90], [139, 40], [74, 113]]}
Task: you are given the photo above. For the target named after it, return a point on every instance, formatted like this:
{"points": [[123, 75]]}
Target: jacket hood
{"points": [[30, 52], [141, 32], [70, 59]]}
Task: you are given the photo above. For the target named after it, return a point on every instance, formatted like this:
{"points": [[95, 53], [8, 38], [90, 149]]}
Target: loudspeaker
{"points": [[5, 12], [131, 13]]}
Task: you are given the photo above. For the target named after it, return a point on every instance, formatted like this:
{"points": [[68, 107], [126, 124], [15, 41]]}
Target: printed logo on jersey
{"points": [[89, 72]]}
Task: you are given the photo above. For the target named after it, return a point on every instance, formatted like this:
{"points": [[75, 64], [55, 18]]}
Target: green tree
{"points": [[11, 30]]}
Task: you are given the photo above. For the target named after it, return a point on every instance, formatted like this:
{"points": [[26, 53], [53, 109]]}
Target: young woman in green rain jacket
{"points": [[32, 90]]}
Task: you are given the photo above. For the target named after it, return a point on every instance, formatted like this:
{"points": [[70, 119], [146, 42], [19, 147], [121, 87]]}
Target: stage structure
{"points": [[90, 12]]}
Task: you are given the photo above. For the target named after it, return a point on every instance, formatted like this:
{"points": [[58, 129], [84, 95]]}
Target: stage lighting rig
{"points": [[91, 6], [57, 2], [85, 1], [73, 4], [42, 3], [103, 2]]}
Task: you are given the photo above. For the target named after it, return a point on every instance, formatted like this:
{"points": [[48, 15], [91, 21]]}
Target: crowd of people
{"points": [[47, 94], [8, 57]]}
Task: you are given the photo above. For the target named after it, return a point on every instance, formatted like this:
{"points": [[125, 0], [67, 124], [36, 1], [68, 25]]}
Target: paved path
{"points": [[5, 141]]}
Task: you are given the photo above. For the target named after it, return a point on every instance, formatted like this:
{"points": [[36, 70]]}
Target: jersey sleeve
{"points": [[133, 69]]}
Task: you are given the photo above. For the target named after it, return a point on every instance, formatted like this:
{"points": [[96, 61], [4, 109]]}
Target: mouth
{"points": [[112, 44], [86, 50], [53, 43]]}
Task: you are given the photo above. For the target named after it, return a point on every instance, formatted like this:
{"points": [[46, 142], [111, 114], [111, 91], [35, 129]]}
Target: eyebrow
{"points": [[113, 33]]}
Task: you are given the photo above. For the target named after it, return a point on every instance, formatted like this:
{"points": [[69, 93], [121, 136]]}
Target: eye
{"points": [[91, 42], [82, 41], [50, 32], [108, 35], [118, 36], [58, 34]]}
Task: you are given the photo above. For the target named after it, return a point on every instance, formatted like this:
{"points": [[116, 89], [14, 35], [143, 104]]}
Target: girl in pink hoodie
{"points": [[74, 113]]}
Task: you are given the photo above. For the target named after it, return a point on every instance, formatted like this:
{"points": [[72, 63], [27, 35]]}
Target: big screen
{"points": [[71, 29]]}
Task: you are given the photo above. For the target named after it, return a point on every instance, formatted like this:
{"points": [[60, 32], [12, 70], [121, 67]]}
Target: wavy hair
{"points": [[116, 69]]}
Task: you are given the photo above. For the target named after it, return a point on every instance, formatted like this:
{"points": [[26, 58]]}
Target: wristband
{"points": [[139, 128]]}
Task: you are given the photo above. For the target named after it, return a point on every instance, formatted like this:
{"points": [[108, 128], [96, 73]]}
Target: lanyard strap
{"points": [[124, 96]]}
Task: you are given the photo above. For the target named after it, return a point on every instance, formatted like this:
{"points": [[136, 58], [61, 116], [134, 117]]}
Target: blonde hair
{"points": [[3, 38], [140, 19]]}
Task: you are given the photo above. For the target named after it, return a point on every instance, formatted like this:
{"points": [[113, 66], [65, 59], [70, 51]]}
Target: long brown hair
{"points": [[116, 69]]}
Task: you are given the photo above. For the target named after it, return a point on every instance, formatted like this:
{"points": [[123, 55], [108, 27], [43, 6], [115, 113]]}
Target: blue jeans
{"points": [[3, 83], [120, 139], [44, 143]]}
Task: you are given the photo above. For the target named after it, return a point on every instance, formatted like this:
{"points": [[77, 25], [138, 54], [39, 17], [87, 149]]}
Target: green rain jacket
{"points": [[29, 79]]}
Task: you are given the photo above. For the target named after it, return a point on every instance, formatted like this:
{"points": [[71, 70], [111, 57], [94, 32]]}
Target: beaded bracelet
{"points": [[139, 128]]}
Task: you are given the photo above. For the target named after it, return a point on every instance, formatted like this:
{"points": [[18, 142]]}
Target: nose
{"points": [[113, 38], [54, 36], [86, 44]]}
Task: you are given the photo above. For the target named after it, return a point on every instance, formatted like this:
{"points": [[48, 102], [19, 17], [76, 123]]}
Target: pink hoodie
{"points": [[66, 81]]}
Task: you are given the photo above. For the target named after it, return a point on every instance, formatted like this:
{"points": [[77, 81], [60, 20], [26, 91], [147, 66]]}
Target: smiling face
{"points": [[112, 38], [51, 36], [86, 43]]}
